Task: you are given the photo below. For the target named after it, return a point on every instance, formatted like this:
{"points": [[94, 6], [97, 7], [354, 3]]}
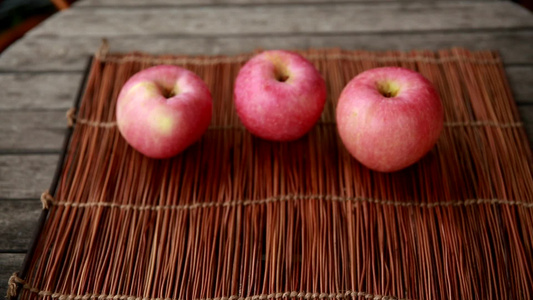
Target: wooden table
{"points": [[41, 73]]}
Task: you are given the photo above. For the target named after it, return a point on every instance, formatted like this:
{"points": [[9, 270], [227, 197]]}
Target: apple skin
{"points": [[279, 95], [389, 118], [163, 109]]}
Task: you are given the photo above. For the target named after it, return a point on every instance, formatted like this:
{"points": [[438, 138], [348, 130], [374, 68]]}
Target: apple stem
{"points": [[388, 89], [282, 77], [169, 93], [281, 73]]}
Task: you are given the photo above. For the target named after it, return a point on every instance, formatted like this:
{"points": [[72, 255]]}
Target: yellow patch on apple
{"points": [[162, 121], [146, 87]]}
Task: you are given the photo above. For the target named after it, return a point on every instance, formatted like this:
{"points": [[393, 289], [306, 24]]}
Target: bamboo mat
{"points": [[236, 217]]}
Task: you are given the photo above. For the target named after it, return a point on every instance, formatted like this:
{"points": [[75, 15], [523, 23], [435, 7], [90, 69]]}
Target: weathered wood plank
{"points": [[56, 91], [18, 220], [38, 91], [70, 53], [91, 3], [315, 18], [26, 176], [32, 130], [9, 264]]}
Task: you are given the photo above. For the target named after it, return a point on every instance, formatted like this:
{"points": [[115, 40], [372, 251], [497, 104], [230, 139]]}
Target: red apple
{"points": [[389, 118], [279, 95], [163, 109]]}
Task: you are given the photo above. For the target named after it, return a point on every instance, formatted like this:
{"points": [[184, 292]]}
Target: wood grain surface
{"points": [[70, 53], [321, 18], [26, 176]]}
